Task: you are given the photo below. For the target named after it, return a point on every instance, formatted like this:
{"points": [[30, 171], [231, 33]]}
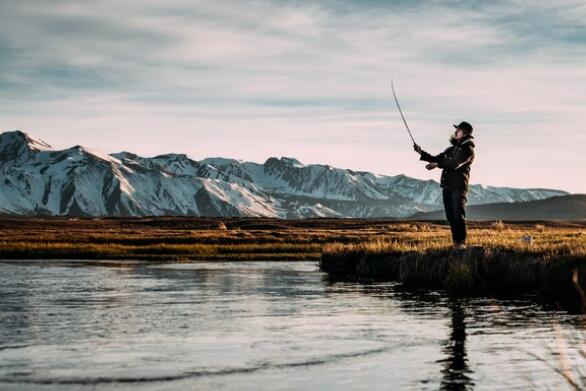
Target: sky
{"points": [[305, 79]]}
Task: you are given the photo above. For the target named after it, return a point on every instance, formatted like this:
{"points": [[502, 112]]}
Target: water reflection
{"points": [[456, 372], [513, 329]]}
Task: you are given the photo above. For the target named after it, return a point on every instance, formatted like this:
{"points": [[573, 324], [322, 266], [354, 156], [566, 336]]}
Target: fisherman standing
{"points": [[455, 163]]}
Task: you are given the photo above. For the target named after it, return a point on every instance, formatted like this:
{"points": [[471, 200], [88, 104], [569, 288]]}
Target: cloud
{"points": [[303, 77]]}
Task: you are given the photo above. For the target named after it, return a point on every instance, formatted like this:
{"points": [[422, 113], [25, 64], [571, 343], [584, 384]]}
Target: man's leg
{"points": [[447, 196], [459, 205]]}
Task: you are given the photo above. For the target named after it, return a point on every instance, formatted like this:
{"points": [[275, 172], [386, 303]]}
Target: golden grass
{"points": [[568, 240], [249, 239], [497, 261]]}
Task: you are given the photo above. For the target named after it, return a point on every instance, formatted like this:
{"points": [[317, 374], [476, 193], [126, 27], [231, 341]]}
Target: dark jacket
{"points": [[455, 162]]}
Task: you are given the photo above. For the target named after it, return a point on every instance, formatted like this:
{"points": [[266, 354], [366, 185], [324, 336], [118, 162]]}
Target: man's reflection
{"points": [[456, 371]]}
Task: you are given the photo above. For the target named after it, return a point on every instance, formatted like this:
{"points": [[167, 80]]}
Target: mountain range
{"points": [[36, 179]]}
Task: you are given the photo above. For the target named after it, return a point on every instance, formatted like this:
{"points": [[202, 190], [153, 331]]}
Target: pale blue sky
{"points": [[308, 79]]}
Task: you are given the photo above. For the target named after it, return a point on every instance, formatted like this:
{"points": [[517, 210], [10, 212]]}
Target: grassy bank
{"points": [[498, 261], [414, 252]]}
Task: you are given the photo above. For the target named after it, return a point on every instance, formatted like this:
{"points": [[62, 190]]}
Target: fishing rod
{"points": [[401, 112]]}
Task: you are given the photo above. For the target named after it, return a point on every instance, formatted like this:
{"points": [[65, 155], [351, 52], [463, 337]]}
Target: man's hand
{"points": [[417, 148], [431, 166]]}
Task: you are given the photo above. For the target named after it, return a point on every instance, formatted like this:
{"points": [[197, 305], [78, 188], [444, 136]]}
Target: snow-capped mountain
{"points": [[38, 180]]}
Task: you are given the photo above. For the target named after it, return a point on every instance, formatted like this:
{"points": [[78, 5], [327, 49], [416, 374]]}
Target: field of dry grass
{"points": [[175, 239], [232, 239]]}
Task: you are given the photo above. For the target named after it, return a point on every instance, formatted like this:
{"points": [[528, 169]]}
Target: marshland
{"points": [[503, 257], [210, 303]]}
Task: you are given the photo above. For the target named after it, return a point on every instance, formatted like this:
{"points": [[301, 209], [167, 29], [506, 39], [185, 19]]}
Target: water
{"points": [[261, 325]]}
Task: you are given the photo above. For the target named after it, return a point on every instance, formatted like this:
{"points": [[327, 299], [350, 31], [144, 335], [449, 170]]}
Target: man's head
{"points": [[463, 130]]}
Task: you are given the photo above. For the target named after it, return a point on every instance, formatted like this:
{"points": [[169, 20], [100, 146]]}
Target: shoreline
{"points": [[556, 274], [411, 252]]}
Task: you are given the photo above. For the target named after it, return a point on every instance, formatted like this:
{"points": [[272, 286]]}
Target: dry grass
{"points": [[188, 238], [182, 238], [415, 252], [553, 239], [498, 261], [248, 239]]}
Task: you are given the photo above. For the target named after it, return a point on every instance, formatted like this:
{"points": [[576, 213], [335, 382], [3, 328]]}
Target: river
{"points": [[266, 325]]}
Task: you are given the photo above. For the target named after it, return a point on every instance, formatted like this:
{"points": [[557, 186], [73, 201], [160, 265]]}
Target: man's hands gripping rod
{"points": [[429, 166]]}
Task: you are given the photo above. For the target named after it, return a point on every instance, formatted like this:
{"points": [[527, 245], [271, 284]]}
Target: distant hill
{"points": [[569, 207]]}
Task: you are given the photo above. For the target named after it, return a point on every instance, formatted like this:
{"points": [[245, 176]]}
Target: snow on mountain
{"points": [[18, 145], [36, 179]]}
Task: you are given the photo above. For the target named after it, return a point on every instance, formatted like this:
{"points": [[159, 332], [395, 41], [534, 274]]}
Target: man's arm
{"points": [[430, 158], [462, 156]]}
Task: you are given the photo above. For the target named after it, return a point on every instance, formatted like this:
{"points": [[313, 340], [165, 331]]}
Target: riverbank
{"points": [[413, 252], [552, 263]]}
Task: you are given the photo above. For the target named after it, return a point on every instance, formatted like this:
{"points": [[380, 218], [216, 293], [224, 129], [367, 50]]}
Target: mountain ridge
{"points": [[36, 179]]}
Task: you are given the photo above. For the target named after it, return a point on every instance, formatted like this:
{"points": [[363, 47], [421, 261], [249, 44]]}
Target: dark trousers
{"points": [[455, 207]]}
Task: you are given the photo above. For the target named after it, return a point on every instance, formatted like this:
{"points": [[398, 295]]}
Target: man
{"points": [[455, 163]]}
